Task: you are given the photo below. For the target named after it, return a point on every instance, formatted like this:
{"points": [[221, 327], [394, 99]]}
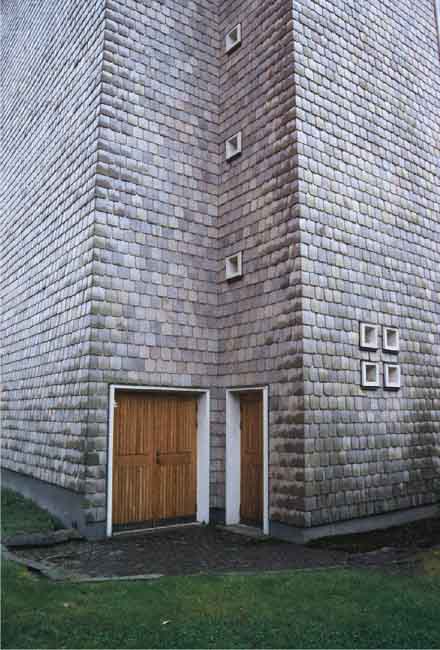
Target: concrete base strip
{"points": [[49, 538], [48, 571]]}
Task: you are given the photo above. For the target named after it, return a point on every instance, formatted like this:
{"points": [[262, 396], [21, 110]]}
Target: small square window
{"points": [[392, 376], [369, 336], [234, 266], [391, 341], [370, 374], [233, 146], [233, 38]]}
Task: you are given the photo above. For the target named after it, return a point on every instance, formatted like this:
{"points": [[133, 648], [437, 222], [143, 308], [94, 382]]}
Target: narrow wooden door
{"points": [[154, 458], [251, 443], [176, 458], [133, 459]]}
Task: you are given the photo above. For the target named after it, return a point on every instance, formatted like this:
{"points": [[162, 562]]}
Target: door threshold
{"points": [[244, 529], [157, 529]]}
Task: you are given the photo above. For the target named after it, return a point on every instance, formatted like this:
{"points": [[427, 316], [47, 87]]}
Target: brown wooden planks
{"points": [[251, 484], [155, 457], [183, 458], [177, 457]]}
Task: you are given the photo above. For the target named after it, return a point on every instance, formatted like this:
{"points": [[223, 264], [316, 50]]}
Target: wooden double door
{"points": [[251, 461], [154, 459]]}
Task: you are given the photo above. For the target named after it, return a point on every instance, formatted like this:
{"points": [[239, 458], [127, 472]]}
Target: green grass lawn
{"points": [[21, 515], [325, 609]]}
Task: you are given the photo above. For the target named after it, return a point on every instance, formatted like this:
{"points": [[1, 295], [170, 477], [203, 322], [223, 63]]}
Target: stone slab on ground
{"points": [[49, 538]]}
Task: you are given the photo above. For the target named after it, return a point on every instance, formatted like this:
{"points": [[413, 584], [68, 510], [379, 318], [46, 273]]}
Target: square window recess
{"points": [[370, 374], [391, 341], [233, 38], [233, 146], [392, 376], [369, 336], [234, 266]]}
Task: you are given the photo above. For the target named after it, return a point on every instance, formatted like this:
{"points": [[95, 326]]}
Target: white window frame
{"points": [[230, 273], [230, 43], [388, 384], [365, 382], [233, 152], [387, 346], [363, 342]]}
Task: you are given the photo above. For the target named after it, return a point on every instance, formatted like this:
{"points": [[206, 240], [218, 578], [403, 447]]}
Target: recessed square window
{"points": [[369, 336], [233, 146], [391, 341], [392, 376], [234, 266], [370, 374], [233, 38]]}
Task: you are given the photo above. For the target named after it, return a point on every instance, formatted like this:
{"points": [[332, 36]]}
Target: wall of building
{"points": [[50, 71], [155, 270], [260, 314], [122, 210], [367, 78]]}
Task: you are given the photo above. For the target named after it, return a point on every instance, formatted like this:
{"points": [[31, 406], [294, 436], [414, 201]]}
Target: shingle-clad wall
{"points": [[368, 96], [169, 209], [260, 314], [121, 210], [154, 316], [50, 74]]}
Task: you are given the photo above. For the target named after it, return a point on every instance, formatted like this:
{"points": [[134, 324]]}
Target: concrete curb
{"points": [[50, 538], [48, 571]]}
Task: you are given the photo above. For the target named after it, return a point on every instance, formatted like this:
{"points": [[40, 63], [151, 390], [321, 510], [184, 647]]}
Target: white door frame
{"points": [[203, 440], [233, 454]]}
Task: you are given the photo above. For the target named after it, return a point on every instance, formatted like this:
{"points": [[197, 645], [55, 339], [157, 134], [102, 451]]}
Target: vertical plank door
{"points": [[154, 458], [251, 443], [134, 460], [176, 457]]}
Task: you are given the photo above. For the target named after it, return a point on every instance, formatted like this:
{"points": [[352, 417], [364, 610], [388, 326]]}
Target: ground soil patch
{"points": [[182, 551], [423, 534]]}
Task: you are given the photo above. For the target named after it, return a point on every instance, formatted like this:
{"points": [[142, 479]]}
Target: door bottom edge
{"points": [[155, 529]]}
